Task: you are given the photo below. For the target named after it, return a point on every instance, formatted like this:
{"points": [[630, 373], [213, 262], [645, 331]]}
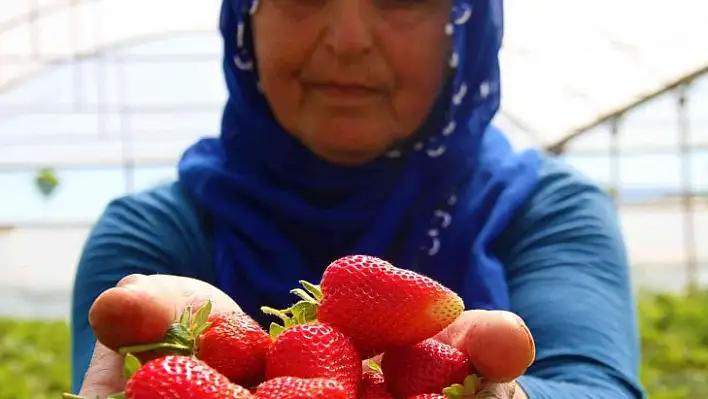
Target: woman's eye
{"points": [[408, 13], [401, 3]]}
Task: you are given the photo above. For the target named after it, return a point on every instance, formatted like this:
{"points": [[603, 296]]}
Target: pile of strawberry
{"points": [[364, 307]]}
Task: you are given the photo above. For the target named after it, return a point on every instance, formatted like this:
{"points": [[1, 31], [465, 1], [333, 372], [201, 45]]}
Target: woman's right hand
{"points": [[137, 311]]}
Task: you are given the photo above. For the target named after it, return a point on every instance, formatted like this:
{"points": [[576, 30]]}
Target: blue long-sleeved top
{"points": [[563, 253]]}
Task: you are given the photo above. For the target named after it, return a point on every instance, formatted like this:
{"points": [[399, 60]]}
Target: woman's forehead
{"points": [[458, 8]]}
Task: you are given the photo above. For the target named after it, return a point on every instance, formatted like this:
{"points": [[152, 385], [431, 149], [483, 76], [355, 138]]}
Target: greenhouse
{"points": [[98, 98]]}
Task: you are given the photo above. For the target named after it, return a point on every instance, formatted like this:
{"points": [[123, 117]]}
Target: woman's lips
{"points": [[345, 91]]}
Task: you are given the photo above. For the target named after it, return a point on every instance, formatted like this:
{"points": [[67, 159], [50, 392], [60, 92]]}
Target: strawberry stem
{"points": [[131, 365], [275, 330], [158, 347], [181, 336], [118, 395], [281, 314], [202, 314], [302, 312], [313, 289], [373, 366], [467, 390], [304, 296]]}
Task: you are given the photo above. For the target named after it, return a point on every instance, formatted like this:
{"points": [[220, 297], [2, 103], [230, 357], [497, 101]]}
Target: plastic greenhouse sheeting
{"points": [[60, 30], [564, 63]]}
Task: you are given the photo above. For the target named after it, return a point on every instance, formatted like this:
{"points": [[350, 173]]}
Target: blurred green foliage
{"points": [[34, 359], [46, 181], [34, 356], [675, 345]]}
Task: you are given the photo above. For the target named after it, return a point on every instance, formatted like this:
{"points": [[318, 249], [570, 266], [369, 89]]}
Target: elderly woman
{"points": [[363, 126]]}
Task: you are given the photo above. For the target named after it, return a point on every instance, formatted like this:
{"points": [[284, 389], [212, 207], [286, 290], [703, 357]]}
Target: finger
{"points": [[141, 308], [130, 315], [105, 374], [496, 391], [499, 344]]}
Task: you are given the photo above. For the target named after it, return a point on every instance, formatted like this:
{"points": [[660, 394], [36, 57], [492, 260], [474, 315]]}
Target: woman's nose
{"points": [[348, 30]]}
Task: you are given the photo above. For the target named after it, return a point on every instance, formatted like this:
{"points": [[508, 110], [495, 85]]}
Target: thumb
{"points": [[131, 313], [140, 308], [499, 344], [104, 376]]}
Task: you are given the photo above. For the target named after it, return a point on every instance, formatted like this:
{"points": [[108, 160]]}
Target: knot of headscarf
{"points": [[433, 204]]}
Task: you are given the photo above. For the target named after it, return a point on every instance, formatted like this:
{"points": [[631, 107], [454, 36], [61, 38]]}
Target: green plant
{"points": [[675, 345], [34, 359], [46, 181]]}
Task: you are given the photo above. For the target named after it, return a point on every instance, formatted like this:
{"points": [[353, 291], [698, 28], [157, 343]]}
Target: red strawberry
{"points": [[428, 366], [379, 306], [181, 377], [429, 396], [234, 344], [315, 351], [373, 386], [301, 388]]}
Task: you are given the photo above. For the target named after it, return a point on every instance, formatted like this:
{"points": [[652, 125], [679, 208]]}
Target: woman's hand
{"points": [[139, 310], [500, 346]]}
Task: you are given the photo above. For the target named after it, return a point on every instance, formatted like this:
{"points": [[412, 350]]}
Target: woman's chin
{"points": [[346, 156], [347, 147]]}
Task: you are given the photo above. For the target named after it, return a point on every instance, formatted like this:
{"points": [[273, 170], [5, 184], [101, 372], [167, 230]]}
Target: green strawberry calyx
{"points": [[302, 312], [131, 365], [373, 366], [467, 390], [181, 336]]}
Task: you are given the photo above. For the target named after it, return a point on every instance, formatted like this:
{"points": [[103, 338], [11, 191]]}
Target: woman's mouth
{"points": [[344, 90]]}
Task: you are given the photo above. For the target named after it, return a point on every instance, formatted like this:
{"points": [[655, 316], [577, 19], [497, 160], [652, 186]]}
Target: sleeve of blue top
{"points": [[569, 280], [148, 233]]}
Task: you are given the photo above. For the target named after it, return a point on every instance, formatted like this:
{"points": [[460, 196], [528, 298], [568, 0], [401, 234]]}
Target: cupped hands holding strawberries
{"points": [[411, 333]]}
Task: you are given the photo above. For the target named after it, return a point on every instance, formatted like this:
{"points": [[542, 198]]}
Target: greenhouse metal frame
{"points": [[583, 69]]}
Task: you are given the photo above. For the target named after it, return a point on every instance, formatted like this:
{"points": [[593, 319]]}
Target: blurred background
{"points": [[98, 98]]}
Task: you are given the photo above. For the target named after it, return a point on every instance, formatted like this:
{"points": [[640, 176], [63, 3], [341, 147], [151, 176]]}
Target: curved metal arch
{"points": [[121, 21], [106, 49], [558, 146]]}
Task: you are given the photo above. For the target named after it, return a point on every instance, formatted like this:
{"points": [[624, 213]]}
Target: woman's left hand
{"points": [[500, 347]]}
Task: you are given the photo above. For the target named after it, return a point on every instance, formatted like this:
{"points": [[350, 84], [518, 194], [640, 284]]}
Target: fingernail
{"points": [[132, 287], [512, 317], [130, 279]]}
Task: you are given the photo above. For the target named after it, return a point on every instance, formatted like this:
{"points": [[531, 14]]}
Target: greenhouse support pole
{"points": [[126, 138], [687, 190], [615, 172]]}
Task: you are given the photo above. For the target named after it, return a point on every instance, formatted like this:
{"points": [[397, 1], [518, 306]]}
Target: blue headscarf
{"points": [[435, 204]]}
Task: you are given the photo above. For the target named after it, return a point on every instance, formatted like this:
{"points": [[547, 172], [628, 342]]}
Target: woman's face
{"points": [[349, 78]]}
